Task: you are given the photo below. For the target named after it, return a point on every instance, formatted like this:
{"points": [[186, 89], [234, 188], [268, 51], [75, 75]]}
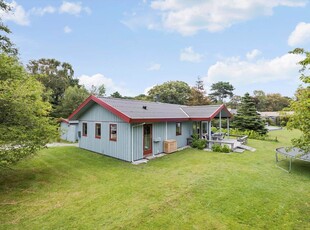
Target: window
{"points": [[178, 129], [98, 130], [84, 129], [113, 132]]}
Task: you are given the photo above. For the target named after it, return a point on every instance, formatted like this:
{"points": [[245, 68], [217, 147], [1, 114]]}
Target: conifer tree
{"points": [[247, 118]]}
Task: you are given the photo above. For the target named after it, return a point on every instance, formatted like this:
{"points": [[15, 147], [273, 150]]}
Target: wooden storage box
{"points": [[170, 146]]}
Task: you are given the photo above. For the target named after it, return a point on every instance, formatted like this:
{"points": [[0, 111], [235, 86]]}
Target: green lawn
{"points": [[68, 187]]}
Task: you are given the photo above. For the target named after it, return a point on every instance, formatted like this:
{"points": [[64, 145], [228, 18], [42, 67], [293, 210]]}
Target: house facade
{"points": [[130, 130]]}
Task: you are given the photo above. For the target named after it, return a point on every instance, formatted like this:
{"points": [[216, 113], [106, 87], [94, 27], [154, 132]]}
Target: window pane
{"points": [[98, 130], [84, 129], [113, 132], [178, 128]]}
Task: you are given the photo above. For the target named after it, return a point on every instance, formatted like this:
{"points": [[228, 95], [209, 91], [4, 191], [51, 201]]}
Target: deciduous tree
{"points": [[116, 95], [56, 76], [198, 94], [301, 106], [6, 46], [174, 92], [73, 97], [24, 123]]}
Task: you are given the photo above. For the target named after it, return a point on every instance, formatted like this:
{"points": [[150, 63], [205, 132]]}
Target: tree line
{"points": [[32, 97]]}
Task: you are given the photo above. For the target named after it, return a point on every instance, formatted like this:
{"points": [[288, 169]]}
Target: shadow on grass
{"points": [[299, 167]]}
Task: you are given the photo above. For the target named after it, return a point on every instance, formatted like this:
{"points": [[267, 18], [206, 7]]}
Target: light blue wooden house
{"points": [[131, 129]]}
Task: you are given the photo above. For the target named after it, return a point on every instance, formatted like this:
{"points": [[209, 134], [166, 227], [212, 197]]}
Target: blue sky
{"points": [[133, 45]]}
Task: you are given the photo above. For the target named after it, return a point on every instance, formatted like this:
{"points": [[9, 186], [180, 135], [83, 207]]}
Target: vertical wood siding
{"points": [[187, 131], [120, 149], [68, 132]]}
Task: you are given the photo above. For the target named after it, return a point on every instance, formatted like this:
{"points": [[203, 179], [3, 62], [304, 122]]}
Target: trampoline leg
{"points": [[290, 167]]}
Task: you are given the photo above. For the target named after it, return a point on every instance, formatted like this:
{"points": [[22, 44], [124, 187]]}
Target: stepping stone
{"points": [[247, 148], [140, 162], [239, 150]]}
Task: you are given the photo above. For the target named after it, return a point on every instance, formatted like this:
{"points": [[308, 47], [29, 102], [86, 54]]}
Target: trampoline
{"points": [[291, 153]]}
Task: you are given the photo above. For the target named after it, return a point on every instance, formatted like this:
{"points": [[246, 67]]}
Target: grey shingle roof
{"points": [[140, 111], [136, 109]]}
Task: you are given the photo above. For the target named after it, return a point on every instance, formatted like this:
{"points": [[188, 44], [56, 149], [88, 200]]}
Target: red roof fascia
{"points": [[218, 110], [139, 120], [200, 119], [103, 104], [112, 109]]}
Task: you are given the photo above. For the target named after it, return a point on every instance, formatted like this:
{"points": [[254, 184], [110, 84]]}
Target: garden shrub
{"points": [[220, 149], [199, 143]]}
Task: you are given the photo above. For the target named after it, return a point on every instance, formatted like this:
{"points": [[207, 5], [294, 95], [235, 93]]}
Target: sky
{"points": [[133, 45]]}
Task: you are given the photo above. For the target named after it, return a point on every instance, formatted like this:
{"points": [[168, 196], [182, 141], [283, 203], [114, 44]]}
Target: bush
{"points": [[199, 143], [220, 149]]}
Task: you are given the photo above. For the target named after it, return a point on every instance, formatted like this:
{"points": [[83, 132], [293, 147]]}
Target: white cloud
{"points": [[189, 55], [67, 29], [17, 15], [74, 8], [99, 79], [43, 11], [154, 67], [239, 72], [253, 54], [301, 35], [146, 90], [189, 17]]}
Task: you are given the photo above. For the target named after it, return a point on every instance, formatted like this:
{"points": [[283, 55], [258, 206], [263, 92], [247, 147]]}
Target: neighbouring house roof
{"points": [[134, 111], [275, 114]]}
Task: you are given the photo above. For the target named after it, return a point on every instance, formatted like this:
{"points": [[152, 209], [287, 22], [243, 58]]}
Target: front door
{"points": [[147, 139]]}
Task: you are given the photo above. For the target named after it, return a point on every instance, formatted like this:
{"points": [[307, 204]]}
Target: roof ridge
{"points": [[184, 112]]}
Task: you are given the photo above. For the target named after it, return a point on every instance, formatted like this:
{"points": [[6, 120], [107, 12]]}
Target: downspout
{"points": [[221, 122], [134, 126], [228, 127], [166, 130]]}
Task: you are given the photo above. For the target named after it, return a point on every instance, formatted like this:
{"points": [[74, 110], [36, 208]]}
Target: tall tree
{"points": [[24, 123], [198, 94], [234, 102], [301, 106], [98, 91], [260, 100], [116, 95], [174, 92], [220, 91], [56, 76], [276, 102], [6, 46], [247, 118], [73, 97]]}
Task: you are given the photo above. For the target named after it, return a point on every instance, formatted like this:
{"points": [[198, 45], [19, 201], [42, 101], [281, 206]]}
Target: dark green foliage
{"points": [[198, 143], [270, 102], [73, 97], [247, 118], [116, 95], [6, 46], [174, 92], [24, 123], [220, 91], [56, 76], [220, 149]]}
